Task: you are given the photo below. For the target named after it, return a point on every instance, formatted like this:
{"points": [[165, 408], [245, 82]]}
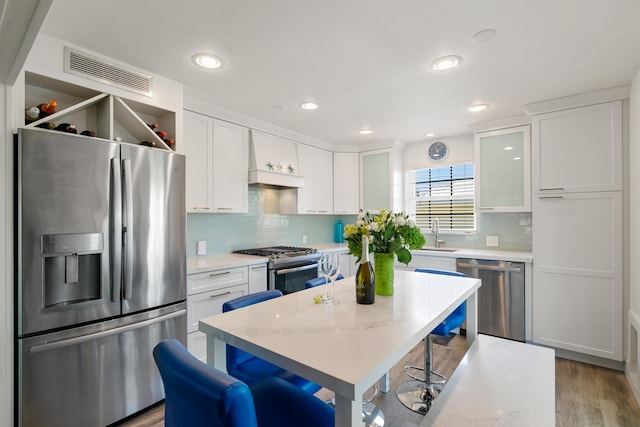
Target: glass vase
{"points": [[383, 270]]}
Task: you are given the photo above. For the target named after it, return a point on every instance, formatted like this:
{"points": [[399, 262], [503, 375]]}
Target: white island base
{"points": [[498, 383]]}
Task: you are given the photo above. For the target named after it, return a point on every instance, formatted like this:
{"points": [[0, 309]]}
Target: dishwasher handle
{"points": [[489, 267]]}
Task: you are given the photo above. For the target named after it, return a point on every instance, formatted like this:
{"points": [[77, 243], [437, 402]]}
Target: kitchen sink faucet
{"points": [[435, 229]]}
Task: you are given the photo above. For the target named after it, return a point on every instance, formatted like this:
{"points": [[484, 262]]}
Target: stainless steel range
{"points": [[289, 267]]}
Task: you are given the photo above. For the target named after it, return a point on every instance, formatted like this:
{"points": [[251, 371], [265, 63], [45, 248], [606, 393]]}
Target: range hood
{"points": [[273, 161]]}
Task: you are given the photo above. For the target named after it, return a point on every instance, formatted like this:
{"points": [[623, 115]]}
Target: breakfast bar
{"points": [[347, 347]]}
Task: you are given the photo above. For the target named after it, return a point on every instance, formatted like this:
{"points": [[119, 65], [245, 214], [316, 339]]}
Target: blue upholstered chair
{"points": [[249, 368], [418, 398], [318, 281], [198, 395]]}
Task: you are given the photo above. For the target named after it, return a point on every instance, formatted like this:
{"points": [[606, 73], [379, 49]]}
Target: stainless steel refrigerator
{"points": [[100, 275]]}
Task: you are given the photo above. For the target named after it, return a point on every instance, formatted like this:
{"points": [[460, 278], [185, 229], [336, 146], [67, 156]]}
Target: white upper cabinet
{"points": [[376, 180], [217, 164], [346, 183], [578, 150], [316, 197], [503, 170], [198, 134], [230, 167]]}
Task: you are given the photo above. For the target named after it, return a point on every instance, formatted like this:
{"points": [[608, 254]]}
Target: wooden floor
{"points": [[586, 395]]}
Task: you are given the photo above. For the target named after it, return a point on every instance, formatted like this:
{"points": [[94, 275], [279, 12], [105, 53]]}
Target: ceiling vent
{"points": [[83, 65]]}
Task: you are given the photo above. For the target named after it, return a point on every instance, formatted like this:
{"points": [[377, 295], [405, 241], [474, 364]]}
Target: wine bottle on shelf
{"points": [[31, 114], [365, 279], [153, 126], [162, 134], [47, 108], [66, 127]]}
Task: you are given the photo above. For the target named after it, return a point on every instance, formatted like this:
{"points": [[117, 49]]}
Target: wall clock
{"points": [[437, 151]]}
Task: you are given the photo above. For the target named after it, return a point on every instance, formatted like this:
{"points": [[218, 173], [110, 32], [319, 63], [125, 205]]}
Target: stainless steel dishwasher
{"points": [[500, 298]]}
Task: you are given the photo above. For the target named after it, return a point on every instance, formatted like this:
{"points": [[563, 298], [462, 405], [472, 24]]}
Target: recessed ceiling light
{"points": [[309, 106], [446, 63], [477, 107], [508, 148], [430, 134], [208, 61], [366, 131]]}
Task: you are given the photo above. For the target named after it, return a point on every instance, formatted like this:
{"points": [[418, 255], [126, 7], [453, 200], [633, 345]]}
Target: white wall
{"points": [[633, 365], [460, 151]]}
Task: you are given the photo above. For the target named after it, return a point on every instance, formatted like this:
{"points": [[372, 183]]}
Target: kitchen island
{"points": [[347, 347]]}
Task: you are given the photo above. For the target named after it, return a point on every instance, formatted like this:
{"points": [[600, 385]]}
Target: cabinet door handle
{"points": [[551, 197], [219, 274], [220, 295], [195, 208], [323, 211], [224, 209], [486, 209], [258, 267], [552, 189]]}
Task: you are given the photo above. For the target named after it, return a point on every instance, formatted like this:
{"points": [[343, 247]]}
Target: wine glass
{"points": [[333, 275], [326, 266]]}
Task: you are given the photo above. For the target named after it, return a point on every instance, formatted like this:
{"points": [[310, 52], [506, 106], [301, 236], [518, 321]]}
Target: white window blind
{"points": [[447, 193]]}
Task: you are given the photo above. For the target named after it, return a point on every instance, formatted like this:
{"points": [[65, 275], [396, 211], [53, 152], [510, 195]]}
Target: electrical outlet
{"points": [[493, 241], [201, 247], [304, 239]]}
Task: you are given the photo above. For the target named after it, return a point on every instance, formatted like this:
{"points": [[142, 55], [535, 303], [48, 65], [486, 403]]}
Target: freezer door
{"points": [[154, 220], [64, 230], [96, 375]]}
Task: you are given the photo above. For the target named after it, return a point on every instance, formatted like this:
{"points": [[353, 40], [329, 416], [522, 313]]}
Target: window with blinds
{"points": [[447, 193]]}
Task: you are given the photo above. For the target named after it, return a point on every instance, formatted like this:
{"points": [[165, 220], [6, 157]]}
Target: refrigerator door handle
{"points": [[128, 230], [116, 231], [39, 348]]}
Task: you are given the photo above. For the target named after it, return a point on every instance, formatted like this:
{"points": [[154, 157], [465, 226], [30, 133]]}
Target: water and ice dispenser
{"points": [[72, 268]]}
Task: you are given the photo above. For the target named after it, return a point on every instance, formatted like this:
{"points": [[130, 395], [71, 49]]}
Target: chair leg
{"points": [[428, 362], [419, 394]]}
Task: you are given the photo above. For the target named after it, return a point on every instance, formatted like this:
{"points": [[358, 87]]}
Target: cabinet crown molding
{"points": [[565, 103]]}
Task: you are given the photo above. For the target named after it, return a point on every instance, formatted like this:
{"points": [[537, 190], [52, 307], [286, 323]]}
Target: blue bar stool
{"points": [[250, 369], [419, 393], [198, 395]]}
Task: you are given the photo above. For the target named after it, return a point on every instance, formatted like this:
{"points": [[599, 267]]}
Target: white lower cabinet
{"points": [[206, 293], [348, 266], [577, 295], [428, 261], [207, 304], [257, 278]]}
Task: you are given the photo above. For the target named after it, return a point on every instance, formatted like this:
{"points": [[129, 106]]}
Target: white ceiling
{"points": [[365, 62]]}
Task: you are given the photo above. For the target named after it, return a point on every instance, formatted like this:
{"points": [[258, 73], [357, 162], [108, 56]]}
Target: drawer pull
{"points": [[220, 295], [551, 197], [258, 267], [552, 189], [225, 209], [219, 274], [199, 207]]}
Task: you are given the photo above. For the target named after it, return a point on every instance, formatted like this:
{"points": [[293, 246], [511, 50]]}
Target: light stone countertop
{"points": [[221, 261], [202, 264], [498, 383], [489, 254], [345, 347]]}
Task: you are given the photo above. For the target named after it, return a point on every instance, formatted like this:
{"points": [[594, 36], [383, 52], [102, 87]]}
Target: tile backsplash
{"points": [[264, 226]]}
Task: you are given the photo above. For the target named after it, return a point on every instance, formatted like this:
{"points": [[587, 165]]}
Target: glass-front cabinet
{"points": [[503, 170]]}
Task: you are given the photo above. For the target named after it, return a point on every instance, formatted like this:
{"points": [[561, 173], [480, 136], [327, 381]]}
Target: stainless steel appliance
{"points": [[289, 267], [501, 297], [101, 272]]}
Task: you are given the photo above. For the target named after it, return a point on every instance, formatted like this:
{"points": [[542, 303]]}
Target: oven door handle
{"points": [[296, 269]]}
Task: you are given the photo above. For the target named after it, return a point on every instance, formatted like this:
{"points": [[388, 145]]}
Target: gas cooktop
{"points": [[276, 252]]}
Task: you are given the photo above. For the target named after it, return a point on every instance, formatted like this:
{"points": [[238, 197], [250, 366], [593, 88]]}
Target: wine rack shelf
{"points": [[108, 116]]}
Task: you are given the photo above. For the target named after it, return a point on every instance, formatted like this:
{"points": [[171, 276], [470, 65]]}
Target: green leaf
{"points": [[404, 256]]}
